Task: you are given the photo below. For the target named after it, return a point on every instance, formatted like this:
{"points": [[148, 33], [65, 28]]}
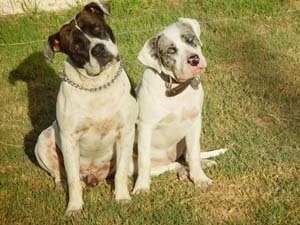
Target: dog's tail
{"points": [[214, 153]]}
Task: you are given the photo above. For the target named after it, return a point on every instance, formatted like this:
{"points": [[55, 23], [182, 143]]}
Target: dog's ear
{"points": [[149, 55], [98, 7], [194, 24], [53, 46]]}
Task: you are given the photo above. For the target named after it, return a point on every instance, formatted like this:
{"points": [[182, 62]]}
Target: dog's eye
{"points": [[76, 48], [191, 39], [171, 50], [100, 33], [195, 41], [77, 44], [97, 30]]}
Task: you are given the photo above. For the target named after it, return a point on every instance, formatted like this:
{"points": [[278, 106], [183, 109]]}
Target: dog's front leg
{"points": [[144, 158], [197, 174], [71, 161], [124, 148]]}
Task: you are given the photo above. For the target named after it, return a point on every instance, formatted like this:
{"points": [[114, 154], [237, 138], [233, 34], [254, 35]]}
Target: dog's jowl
{"points": [[93, 134], [170, 98]]}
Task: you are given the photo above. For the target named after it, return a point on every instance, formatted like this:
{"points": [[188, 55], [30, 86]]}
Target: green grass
{"points": [[252, 105]]}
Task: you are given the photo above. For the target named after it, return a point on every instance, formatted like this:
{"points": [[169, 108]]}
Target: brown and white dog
{"points": [[170, 98], [93, 134]]}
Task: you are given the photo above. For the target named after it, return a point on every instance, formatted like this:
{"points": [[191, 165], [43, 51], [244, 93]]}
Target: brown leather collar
{"points": [[170, 92]]}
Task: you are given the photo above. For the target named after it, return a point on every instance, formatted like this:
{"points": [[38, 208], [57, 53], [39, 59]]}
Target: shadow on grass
{"points": [[271, 76], [42, 84], [265, 76]]}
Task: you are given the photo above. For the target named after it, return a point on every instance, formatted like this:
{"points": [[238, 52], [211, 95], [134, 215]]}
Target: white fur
{"points": [[90, 128], [164, 121]]}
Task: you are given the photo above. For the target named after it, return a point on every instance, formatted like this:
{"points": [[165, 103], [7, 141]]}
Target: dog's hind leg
{"points": [[205, 156], [164, 168], [49, 155]]}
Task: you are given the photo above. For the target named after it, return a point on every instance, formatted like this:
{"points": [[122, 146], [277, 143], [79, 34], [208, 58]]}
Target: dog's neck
{"points": [[77, 77], [180, 86]]}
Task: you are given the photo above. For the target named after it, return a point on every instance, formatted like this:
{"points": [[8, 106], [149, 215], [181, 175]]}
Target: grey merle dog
{"points": [[170, 99]]}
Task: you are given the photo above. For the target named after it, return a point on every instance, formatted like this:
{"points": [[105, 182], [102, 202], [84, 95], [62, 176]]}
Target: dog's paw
{"points": [[203, 183], [123, 200], [206, 163], [137, 191], [122, 197], [141, 187], [73, 209], [182, 173]]}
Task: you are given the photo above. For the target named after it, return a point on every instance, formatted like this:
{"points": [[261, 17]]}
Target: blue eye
{"points": [[191, 39], [171, 50]]}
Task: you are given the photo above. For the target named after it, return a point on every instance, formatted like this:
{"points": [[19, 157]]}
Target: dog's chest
{"points": [[177, 115], [97, 137], [182, 118], [173, 127]]}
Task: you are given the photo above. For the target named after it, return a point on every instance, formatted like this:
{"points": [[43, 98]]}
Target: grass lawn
{"points": [[252, 106]]}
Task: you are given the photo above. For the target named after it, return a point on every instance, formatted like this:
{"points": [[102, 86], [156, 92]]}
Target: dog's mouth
{"points": [[193, 71], [196, 70], [103, 66]]}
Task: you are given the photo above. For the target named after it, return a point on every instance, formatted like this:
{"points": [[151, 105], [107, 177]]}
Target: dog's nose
{"points": [[194, 60], [98, 50]]}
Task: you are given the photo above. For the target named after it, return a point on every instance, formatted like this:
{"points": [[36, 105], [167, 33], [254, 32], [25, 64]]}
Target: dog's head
{"points": [[176, 50], [87, 40]]}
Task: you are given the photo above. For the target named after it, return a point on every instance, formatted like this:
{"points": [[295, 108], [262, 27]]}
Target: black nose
{"points": [[194, 60], [98, 50]]}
